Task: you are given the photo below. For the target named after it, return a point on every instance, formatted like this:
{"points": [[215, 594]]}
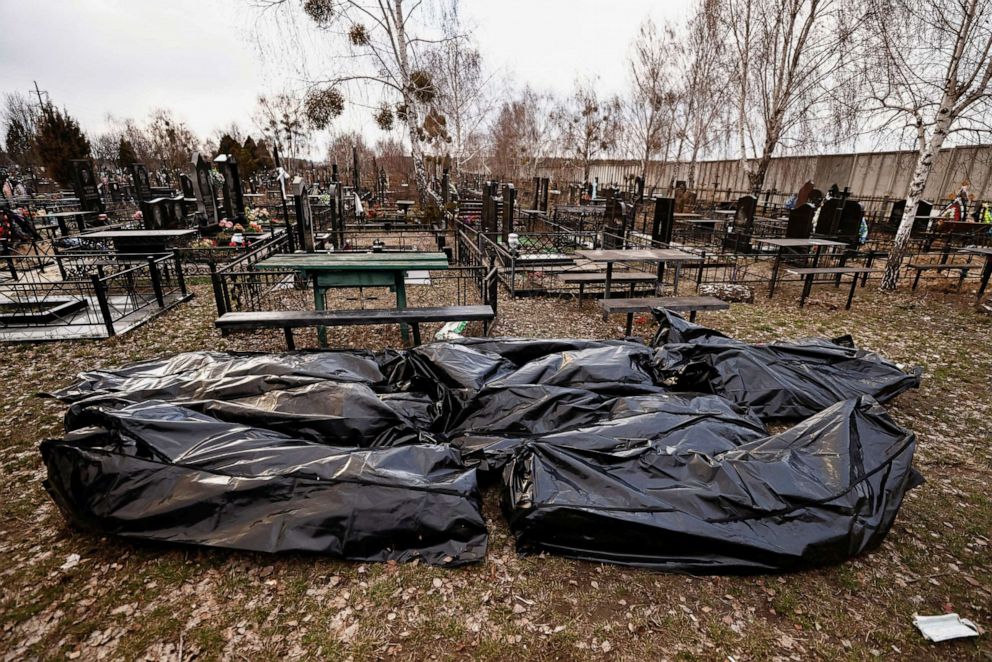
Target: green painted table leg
{"points": [[319, 293], [401, 303]]}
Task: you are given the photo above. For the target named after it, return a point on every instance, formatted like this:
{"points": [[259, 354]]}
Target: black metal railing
{"points": [[90, 291]]}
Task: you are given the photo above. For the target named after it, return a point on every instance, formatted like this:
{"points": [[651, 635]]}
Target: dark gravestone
{"points": [[304, 215], [336, 222], [233, 194], [744, 213], [509, 200], [664, 220], [614, 221], [142, 186], [85, 185], [849, 225], [829, 218], [116, 192], [541, 187], [681, 203], [355, 172], [157, 214], [898, 211], [800, 222], [738, 237], [187, 187], [490, 207], [922, 221], [206, 205]]}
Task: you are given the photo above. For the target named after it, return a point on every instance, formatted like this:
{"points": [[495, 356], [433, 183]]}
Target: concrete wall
{"points": [[882, 175]]}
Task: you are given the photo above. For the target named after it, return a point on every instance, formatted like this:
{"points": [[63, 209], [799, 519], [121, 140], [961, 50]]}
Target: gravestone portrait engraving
{"points": [[85, 185], [142, 186]]}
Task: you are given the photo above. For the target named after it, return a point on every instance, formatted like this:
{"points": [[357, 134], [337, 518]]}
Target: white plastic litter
{"points": [[71, 562], [947, 626], [451, 330]]}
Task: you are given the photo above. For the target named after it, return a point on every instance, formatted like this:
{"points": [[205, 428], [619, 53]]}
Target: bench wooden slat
{"points": [[600, 277], [646, 304], [831, 271], [303, 318], [965, 267]]}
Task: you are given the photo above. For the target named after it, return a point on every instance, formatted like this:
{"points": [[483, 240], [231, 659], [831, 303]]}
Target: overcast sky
{"points": [[200, 58]]}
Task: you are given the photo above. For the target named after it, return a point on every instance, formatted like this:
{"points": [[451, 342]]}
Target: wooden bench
{"points": [[963, 270], [293, 319], [808, 273], [599, 278], [647, 304]]}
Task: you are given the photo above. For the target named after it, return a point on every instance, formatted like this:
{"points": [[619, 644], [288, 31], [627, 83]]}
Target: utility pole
{"points": [[41, 108], [41, 104]]}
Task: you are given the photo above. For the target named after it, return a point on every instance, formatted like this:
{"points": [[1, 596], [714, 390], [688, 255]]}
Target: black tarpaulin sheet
{"points": [[219, 375], [776, 380], [706, 423], [827, 489], [375, 456], [336, 398], [158, 471]]}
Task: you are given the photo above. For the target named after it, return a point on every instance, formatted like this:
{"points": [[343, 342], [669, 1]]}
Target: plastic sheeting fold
{"points": [[781, 380], [610, 450], [158, 471], [827, 489]]}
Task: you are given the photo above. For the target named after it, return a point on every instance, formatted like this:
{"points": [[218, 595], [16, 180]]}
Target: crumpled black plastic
{"points": [[221, 375], [159, 471], [778, 380], [376, 456], [708, 422], [821, 492]]}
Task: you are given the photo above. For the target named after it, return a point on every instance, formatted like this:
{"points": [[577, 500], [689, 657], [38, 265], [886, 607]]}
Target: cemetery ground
{"points": [[65, 593]]}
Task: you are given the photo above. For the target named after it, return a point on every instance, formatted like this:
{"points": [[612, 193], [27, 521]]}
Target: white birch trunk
{"points": [[921, 173], [424, 193]]}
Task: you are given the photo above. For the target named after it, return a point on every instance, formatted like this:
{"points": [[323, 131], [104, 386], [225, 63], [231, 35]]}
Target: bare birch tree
{"points": [[929, 70], [649, 109], [376, 44], [281, 119], [786, 56], [522, 134], [588, 125], [464, 91], [702, 59]]}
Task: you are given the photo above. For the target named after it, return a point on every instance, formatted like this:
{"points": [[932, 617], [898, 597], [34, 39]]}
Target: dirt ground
{"points": [[70, 594]]}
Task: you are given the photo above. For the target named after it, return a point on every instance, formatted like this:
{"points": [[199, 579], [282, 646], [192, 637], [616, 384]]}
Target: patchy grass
{"points": [[130, 600]]}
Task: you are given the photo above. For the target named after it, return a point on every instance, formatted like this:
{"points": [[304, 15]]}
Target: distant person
{"points": [[15, 228], [962, 198], [983, 214]]}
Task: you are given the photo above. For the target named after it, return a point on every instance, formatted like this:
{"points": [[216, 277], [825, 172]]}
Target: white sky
{"points": [[200, 58]]}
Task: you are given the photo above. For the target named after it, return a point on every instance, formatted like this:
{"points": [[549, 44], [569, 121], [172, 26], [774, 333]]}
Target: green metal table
{"points": [[336, 270]]}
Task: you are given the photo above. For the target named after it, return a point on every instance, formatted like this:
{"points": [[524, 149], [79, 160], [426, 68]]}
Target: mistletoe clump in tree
{"points": [[379, 46]]}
